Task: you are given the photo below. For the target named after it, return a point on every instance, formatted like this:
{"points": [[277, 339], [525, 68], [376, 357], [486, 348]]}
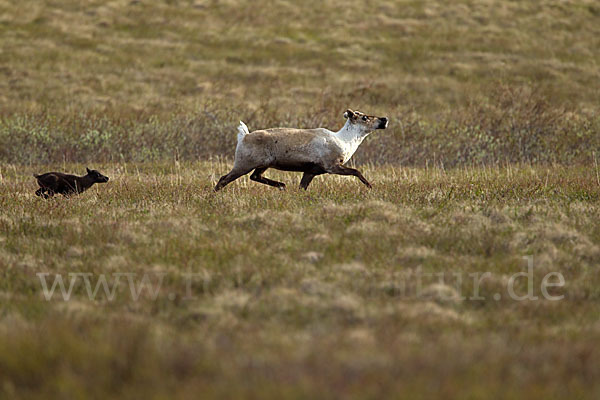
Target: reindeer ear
{"points": [[88, 170], [349, 113]]}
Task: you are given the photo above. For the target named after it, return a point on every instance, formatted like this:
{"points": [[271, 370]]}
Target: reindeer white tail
{"points": [[242, 131]]}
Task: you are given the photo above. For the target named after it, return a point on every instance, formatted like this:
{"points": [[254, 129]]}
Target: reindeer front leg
{"points": [[341, 170]]}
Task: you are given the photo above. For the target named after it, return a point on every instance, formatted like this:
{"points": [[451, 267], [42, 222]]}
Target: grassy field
{"points": [[469, 271], [338, 291], [136, 56], [465, 82]]}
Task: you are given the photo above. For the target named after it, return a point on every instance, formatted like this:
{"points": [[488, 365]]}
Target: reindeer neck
{"points": [[350, 136]]}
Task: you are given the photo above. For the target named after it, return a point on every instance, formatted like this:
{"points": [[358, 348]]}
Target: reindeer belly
{"points": [[314, 155], [309, 167]]}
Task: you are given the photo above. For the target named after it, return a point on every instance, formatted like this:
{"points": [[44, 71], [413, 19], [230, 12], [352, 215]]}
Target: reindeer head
{"points": [[96, 176], [365, 122]]}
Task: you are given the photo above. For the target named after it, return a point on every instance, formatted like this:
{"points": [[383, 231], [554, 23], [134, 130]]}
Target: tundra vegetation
{"points": [[339, 291]]}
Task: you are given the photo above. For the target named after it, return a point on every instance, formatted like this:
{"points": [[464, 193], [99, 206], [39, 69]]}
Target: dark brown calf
{"points": [[65, 184]]}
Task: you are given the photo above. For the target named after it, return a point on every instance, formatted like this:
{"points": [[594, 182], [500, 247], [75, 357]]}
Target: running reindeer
{"points": [[311, 151]]}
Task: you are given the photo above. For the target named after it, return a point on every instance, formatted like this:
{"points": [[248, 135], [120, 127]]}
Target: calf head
{"points": [[96, 176]]}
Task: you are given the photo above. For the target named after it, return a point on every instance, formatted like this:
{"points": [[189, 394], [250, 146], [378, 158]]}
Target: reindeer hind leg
{"points": [[230, 177], [257, 177]]}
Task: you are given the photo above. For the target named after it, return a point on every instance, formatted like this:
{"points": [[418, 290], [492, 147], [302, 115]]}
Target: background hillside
{"points": [[463, 81]]}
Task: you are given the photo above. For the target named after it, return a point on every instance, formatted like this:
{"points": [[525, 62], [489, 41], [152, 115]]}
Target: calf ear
{"points": [[349, 113], [88, 170]]}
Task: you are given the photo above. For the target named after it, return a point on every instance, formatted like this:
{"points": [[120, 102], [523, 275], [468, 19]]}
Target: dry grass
{"points": [[469, 82], [163, 55], [511, 126], [322, 293]]}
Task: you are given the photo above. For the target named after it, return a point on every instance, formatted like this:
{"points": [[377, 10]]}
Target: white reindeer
{"points": [[312, 151]]}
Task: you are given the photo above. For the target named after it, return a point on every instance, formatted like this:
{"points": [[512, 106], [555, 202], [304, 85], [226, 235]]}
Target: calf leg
{"points": [[257, 177], [306, 179], [341, 170], [230, 177], [44, 192]]}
